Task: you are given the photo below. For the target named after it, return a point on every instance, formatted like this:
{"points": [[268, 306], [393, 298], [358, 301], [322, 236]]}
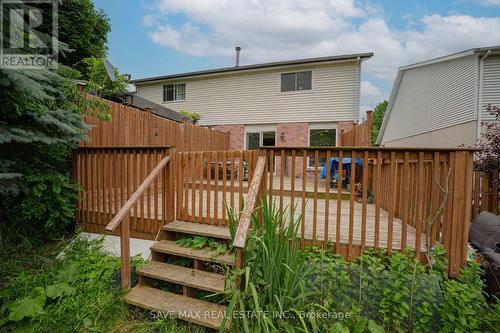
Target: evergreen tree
{"points": [[40, 123]]}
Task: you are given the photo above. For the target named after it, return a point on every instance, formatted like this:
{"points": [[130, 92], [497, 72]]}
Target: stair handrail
{"points": [[251, 201], [122, 220]]}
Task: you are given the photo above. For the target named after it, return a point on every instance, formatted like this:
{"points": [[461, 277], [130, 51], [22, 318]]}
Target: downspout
{"points": [[358, 94], [480, 98]]}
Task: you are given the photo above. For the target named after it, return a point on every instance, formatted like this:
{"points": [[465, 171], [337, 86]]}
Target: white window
{"points": [[174, 92], [296, 81], [321, 137]]}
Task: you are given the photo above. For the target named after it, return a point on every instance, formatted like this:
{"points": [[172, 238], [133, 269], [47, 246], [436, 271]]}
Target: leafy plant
{"points": [[377, 118], [194, 116], [99, 82], [202, 242]]}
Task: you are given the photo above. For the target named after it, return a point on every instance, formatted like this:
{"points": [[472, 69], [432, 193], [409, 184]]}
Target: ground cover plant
{"points": [[70, 288], [287, 289]]}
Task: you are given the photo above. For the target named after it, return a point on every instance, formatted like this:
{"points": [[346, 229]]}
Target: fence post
{"points": [[494, 194], [368, 129], [456, 234]]}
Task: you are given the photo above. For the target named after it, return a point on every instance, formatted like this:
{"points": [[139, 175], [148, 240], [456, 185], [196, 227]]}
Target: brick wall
{"points": [[236, 133], [294, 135]]}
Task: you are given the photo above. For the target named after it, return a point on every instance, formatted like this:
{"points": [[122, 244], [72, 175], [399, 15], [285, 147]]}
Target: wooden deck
{"points": [[316, 231]]}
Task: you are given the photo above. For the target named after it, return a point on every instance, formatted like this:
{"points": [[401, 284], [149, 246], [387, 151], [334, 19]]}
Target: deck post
{"points": [[456, 234], [125, 252]]}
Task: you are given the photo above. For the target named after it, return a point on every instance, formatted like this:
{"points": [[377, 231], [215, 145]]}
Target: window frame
{"points": [[321, 126], [175, 92], [295, 90]]}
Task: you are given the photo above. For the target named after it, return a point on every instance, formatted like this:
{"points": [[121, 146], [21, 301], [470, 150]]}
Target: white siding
{"points": [[255, 97], [491, 85], [433, 97]]}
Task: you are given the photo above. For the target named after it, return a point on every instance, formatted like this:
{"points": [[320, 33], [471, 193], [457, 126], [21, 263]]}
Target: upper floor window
{"points": [[296, 81], [174, 92]]}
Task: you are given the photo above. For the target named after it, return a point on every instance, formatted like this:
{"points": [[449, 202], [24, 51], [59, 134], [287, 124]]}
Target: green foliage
{"points": [[84, 29], [98, 79], [40, 123], [69, 289], [194, 116], [201, 242], [377, 117], [371, 293], [31, 306]]}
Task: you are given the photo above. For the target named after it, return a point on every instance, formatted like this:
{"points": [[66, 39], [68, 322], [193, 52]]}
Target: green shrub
{"points": [[372, 293], [74, 292]]}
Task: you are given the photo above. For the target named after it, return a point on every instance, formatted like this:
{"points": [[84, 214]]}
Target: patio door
{"points": [[263, 138]]}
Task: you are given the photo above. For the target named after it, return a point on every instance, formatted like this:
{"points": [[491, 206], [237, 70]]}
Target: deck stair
{"points": [[199, 275]]}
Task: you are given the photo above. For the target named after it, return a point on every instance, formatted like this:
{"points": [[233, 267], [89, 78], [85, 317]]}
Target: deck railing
{"points": [[254, 194], [108, 177], [206, 181], [122, 218], [390, 198]]}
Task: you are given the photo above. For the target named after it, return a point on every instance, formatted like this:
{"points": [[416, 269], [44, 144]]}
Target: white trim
{"points": [[330, 125], [259, 129], [316, 126], [439, 59]]}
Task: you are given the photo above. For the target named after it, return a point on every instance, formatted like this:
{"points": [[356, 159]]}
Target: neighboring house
{"points": [[288, 103], [442, 102]]}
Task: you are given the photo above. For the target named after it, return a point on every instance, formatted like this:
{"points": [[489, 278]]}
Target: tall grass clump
{"points": [[272, 285]]}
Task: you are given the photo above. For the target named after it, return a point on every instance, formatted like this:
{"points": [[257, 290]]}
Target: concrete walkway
{"points": [[111, 244]]}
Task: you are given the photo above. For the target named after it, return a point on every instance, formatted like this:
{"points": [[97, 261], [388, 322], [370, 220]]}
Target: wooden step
{"points": [[171, 247], [184, 276], [200, 229], [186, 308]]}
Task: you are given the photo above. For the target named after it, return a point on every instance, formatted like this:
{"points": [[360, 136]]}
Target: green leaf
{"points": [[338, 328], [199, 242], [28, 307], [373, 327], [59, 290]]}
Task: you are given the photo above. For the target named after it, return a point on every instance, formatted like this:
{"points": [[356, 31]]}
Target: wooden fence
{"points": [[360, 135], [486, 188], [134, 127], [388, 198], [109, 175]]}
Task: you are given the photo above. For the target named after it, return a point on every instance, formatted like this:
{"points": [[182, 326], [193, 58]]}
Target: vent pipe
{"points": [[238, 49]]}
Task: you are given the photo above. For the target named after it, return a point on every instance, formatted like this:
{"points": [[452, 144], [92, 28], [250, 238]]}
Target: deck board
{"points": [[308, 228]]}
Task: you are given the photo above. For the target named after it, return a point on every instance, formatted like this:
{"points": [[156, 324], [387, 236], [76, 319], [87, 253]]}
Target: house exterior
{"points": [[442, 102], [288, 103]]}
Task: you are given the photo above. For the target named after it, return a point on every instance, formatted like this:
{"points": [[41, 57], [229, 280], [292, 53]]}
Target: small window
{"points": [[296, 81], [174, 92], [321, 138]]}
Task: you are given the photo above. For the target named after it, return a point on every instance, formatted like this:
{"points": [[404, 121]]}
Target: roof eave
{"points": [[225, 70]]}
